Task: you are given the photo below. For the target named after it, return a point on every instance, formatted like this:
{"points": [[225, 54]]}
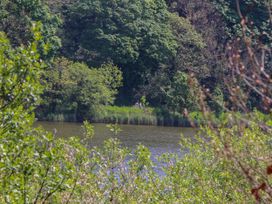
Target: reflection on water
{"points": [[158, 139]]}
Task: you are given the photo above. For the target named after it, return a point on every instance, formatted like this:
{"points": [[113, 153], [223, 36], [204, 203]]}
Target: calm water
{"points": [[158, 139]]}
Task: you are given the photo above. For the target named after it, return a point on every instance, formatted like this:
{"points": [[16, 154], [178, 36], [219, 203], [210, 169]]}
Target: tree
{"points": [[16, 17], [20, 70], [209, 24], [171, 94], [136, 35], [180, 96], [190, 58], [75, 91], [191, 48], [242, 136], [257, 12], [35, 166]]}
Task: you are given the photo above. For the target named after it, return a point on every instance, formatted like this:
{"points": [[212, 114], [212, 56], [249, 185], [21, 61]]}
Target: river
{"points": [[158, 139]]}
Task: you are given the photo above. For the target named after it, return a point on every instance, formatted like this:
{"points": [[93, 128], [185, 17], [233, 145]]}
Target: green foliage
{"points": [[88, 130], [190, 54], [34, 165], [180, 94], [120, 175], [114, 128], [121, 30], [217, 101], [20, 70], [37, 167], [255, 11], [174, 94], [16, 17], [112, 78], [196, 117], [202, 177], [204, 25], [143, 101], [136, 35], [77, 90], [126, 115], [142, 116]]}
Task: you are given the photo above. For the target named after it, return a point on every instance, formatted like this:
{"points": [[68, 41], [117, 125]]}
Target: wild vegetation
{"points": [[74, 91], [75, 59], [155, 44]]}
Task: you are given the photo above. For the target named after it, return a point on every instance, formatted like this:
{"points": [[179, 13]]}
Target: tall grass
{"points": [[128, 115], [57, 117], [139, 116]]}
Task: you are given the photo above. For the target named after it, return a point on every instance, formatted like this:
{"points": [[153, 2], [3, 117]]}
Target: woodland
{"points": [[199, 63]]}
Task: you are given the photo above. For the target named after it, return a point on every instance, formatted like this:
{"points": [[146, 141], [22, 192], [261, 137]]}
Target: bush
{"points": [[74, 91], [218, 166], [34, 165]]}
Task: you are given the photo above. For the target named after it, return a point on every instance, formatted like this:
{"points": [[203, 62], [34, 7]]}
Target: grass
{"points": [[126, 115], [57, 117], [129, 115], [139, 116]]}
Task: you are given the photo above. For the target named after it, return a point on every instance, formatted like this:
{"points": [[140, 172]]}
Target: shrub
{"points": [[75, 91]]}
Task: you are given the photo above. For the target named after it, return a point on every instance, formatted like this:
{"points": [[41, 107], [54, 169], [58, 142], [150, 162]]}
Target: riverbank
{"points": [[128, 116]]}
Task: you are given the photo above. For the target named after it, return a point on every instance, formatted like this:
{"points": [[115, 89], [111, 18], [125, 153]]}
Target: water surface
{"points": [[158, 139]]}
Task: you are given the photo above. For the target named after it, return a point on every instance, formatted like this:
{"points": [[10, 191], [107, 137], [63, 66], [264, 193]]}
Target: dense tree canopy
{"points": [[151, 41], [123, 31], [16, 17], [255, 11], [208, 25], [136, 35], [191, 48]]}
